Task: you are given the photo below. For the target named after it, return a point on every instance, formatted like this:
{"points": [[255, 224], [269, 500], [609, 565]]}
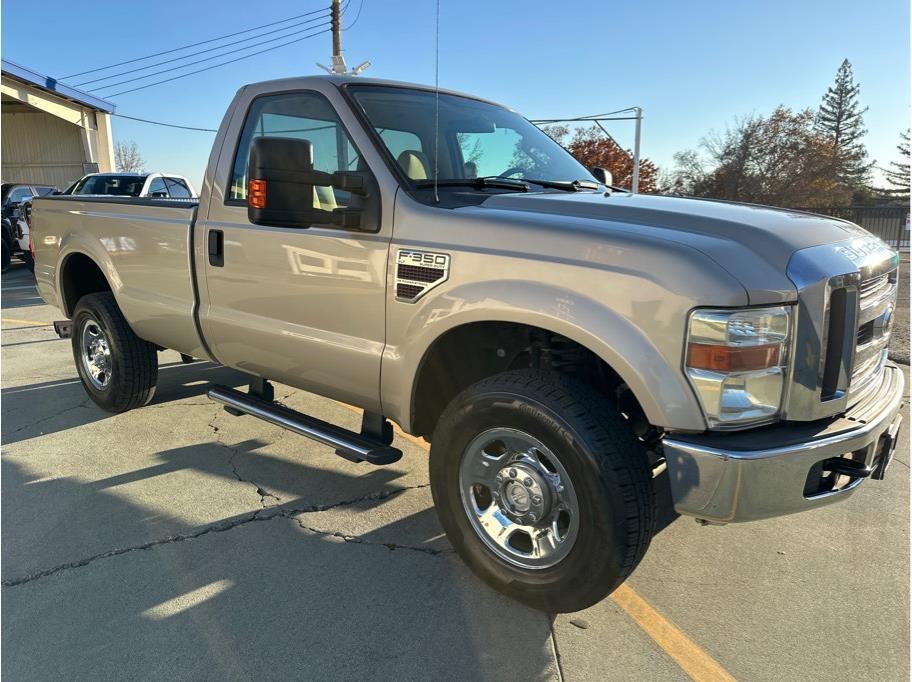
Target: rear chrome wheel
{"points": [[95, 353], [118, 369], [519, 498]]}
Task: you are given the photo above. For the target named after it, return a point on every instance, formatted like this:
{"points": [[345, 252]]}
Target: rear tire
{"points": [[28, 260], [118, 369], [5, 258], [600, 482]]}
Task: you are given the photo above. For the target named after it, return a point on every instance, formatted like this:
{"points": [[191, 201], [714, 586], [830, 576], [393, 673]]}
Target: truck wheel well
{"points": [[81, 276], [471, 352]]}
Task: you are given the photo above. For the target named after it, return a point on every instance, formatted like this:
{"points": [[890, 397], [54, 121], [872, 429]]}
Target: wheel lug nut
{"points": [[536, 499], [512, 473], [533, 518], [527, 481]]}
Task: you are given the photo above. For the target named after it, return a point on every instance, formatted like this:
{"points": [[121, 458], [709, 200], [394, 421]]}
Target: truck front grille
{"points": [[877, 297]]}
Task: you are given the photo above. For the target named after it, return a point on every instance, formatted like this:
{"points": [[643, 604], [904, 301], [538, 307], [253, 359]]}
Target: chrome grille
{"points": [[877, 297], [872, 288]]}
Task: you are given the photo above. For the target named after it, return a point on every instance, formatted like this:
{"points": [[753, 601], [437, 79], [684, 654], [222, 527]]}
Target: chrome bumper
{"points": [[770, 471]]}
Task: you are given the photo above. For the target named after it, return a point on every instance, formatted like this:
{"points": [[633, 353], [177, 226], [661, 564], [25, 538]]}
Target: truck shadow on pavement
{"points": [[48, 407], [133, 592]]}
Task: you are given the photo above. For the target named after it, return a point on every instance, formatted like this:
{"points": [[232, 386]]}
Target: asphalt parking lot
{"points": [[178, 542]]}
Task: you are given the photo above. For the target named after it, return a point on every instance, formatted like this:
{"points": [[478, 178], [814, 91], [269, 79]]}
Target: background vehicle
{"points": [[558, 343], [12, 195], [154, 185]]}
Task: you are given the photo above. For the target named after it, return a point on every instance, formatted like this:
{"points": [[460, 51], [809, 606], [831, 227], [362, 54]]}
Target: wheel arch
{"points": [[79, 274], [623, 350]]}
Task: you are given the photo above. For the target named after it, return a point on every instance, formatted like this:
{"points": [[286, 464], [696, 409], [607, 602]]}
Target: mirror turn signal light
{"points": [[721, 358], [256, 193]]}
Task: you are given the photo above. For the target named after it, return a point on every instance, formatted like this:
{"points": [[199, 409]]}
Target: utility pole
{"points": [[635, 183], [338, 61]]}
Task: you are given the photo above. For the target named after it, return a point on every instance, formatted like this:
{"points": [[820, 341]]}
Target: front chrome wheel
{"points": [[519, 498], [95, 353]]}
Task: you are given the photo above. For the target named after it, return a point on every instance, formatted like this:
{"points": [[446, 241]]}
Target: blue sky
{"points": [[693, 66]]}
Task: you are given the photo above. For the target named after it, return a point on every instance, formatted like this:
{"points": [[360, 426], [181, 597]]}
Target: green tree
{"points": [[840, 119], [898, 173]]}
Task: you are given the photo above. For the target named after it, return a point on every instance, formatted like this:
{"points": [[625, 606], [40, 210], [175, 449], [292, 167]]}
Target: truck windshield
{"points": [[111, 185], [476, 139]]}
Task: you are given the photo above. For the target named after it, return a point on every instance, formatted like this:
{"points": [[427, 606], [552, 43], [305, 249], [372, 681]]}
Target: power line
{"points": [[167, 125], [194, 54], [357, 16], [205, 59], [202, 42], [215, 66]]}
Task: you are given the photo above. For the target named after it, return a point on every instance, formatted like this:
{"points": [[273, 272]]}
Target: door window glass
{"points": [[302, 116]]}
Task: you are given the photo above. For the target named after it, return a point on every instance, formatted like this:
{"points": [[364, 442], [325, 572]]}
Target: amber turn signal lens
{"points": [[256, 193], [719, 358]]}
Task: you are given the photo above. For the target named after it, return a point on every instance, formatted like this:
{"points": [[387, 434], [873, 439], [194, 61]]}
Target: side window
{"points": [[19, 195], [304, 116], [158, 187], [177, 188]]}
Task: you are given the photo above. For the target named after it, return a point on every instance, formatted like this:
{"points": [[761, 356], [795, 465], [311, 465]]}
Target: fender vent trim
{"points": [[417, 272]]}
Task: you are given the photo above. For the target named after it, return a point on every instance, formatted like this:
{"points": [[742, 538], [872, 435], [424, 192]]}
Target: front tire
{"points": [[542, 488], [118, 369]]}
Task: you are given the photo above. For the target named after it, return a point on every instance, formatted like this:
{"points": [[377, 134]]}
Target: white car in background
{"points": [[149, 185]]}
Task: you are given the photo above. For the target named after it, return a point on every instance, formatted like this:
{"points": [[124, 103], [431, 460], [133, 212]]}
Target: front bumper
{"points": [[788, 467]]}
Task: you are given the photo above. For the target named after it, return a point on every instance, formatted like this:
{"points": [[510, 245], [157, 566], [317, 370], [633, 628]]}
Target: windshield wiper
{"points": [[477, 183], [565, 185]]}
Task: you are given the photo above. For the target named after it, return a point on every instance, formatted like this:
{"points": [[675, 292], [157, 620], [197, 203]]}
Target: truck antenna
{"points": [[436, 100], [339, 66]]}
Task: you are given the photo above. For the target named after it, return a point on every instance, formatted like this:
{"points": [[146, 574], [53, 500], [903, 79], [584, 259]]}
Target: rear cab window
{"points": [[177, 188]]}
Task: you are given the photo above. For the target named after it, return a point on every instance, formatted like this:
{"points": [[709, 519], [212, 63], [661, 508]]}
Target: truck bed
{"points": [[145, 250]]}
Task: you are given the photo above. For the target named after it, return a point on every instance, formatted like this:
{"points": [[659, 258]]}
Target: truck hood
{"points": [[753, 243]]}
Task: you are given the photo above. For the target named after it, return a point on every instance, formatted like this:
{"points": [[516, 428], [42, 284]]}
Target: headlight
{"points": [[736, 362]]}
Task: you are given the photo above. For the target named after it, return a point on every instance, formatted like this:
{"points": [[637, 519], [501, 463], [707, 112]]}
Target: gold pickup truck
{"points": [[568, 348]]}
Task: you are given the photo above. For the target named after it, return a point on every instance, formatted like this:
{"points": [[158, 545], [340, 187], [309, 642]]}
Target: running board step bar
{"points": [[348, 444]]}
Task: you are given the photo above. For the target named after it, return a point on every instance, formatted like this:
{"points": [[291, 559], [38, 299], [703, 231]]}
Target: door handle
{"points": [[216, 248]]}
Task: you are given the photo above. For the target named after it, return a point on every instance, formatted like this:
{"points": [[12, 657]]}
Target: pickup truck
{"points": [[568, 349]]}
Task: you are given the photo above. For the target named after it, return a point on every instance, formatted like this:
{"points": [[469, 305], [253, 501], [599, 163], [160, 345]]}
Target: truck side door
{"points": [[303, 306]]}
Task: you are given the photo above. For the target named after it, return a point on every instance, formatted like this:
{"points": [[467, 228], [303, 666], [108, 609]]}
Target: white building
{"points": [[51, 134]]}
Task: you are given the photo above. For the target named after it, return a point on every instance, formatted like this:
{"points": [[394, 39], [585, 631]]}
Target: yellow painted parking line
{"points": [[683, 650], [690, 656], [33, 323]]}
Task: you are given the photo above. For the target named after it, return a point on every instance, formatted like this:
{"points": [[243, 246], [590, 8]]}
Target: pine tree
{"points": [[898, 174], [840, 120]]}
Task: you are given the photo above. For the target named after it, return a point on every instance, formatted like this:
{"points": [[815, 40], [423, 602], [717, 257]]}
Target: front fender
{"points": [[648, 362]]}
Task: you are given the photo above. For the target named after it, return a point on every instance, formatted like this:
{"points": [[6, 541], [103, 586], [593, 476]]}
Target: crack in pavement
{"points": [[268, 514], [557, 657], [235, 451], [83, 403], [358, 540]]}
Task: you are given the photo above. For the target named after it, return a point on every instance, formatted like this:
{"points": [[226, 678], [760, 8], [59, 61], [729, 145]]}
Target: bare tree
{"points": [[127, 158], [781, 159]]}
